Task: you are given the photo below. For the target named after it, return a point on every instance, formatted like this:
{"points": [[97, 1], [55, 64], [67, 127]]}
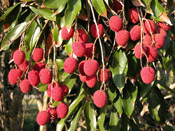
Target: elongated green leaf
{"points": [[101, 118], [35, 36], [55, 33], [74, 122], [70, 83], [68, 46], [157, 8], [118, 104], [45, 13], [90, 118], [42, 87], [112, 91], [12, 35], [115, 122], [73, 7], [99, 6], [144, 89], [60, 63]]}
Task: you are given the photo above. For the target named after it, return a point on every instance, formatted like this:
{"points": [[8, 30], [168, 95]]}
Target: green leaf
{"points": [[60, 63], [119, 68], [118, 104], [73, 7], [90, 117], [12, 35], [132, 68], [148, 9], [134, 126], [45, 13], [99, 6], [124, 122], [115, 122], [144, 89], [112, 92], [101, 118], [42, 87], [74, 122], [68, 46], [55, 33], [157, 8], [70, 83]]}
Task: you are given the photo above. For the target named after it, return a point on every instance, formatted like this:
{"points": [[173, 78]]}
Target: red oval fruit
{"points": [[81, 67], [65, 89], [80, 35], [147, 40], [38, 66], [100, 98], [159, 40], [116, 5], [91, 81], [70, 65], [33, 77], [161, 31], [78, 48], [93, 30], [18, 56], [115, 23], [57, 93], [122, 37], [14, 75], [107, 74], [149, 27], [62, 110], [25, 86], [89, 49], [43, 118], [152, 53], [147, 74], [82, 78], [164, 26], [133, 16], [24, 65], [91, 67], [135, 33], [53, 85], [66, 34], [45, 76], [38, 54], [140, 52], [53, 114]]}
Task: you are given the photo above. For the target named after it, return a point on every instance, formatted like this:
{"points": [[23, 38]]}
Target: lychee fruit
{"points": [[122, 37], [78, 48], [24, 65], [116, 5], [164, 26], [65, 89], [43, 118], [133, 16], [91, 81], [18, 56], [93, 30], [33, 77], [91, 67], [57, 93], [53, 85], [152, 53], [80, 35], [149, 27], [45, 76], [107, 74], [25, 86], [135, 33], [100, 98], [161, 31], [147, 74], [81, 67], [140, 52], [53, 114], [115, 23], [147, 40], [14, 75], [82, 78], [66, 34], [38, 66], [89, 50], [62, 110], [38, 54], [70, 65], [159, 40]]}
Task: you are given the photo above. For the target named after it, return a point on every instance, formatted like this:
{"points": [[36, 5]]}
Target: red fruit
{"points": [[62, 110], [161, 31], [14, 75], [38, 66], [94, 30], [53, 114], [116, 5], [151, 53], [122, 37], [164, 26], [18, 57], [133, 16], [149, 27], [45, 76], [66, 34], [81, 67], [89, 49], [107, 74], [137, 51], [33, 77], [135, 33], [25, 86], [65, 89], [91, 67], [81, 36], [53, 85], [24, 65], [91, 81], [159, 40], [147, 74], [147, 40], [57, 93], [70, 65], [78, 48], [115, 23], [100, 98], [38, 54], [82, 78], [43, 118]]}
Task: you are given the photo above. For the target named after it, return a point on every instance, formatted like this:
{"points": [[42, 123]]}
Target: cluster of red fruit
{"points": [[39, 73]]}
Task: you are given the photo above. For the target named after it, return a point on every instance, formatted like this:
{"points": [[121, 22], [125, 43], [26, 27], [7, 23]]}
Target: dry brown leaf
{"points": [[165, 18], [137, 3]]}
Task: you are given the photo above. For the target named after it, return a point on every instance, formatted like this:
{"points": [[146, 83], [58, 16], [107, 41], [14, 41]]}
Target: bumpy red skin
{"points": [[100, 98], [135, 33], [65, 89], [89, 49], [25, 86], [45, 76], [18, 57], [33, 77], [91, 67], [14, 75], [147, 40], [78, 48], [67, 34], [38, 66], [116, 5], [133, 16], [93, 30], [137, 51], [161, 31], [62, 110], [151, 53], [115, 23], [149, 27], [91, 81], [82, 78], [107, 74], [53, 114], [159, 40], [24, 65], [38, 54], [164, 26], [57, 93], [43, 118], [53, 85], [147, 75], [82, 36], [81, 67], [70, 65], [122, 37]]}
